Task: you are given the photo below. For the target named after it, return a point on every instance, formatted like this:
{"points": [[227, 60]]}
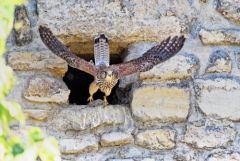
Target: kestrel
{"points": [[105, 75]]}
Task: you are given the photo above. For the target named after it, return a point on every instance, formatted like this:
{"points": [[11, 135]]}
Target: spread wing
{"points": [[101, 50], [62, 51], [160, 53]]}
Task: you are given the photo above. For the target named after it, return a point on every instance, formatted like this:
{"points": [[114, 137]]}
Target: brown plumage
{"points": [[106, 76]]}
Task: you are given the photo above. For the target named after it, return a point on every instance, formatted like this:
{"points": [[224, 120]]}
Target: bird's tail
{"points": [[101, 50]]}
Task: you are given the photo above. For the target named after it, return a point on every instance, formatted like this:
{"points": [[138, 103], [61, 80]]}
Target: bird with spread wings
{"points": [[105, 75]]}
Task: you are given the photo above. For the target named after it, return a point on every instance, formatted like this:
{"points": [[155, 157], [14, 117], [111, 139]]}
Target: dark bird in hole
{"points": [[105, 75]]}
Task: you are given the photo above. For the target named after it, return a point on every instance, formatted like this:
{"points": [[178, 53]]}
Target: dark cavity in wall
{"points": [[78, 82]]}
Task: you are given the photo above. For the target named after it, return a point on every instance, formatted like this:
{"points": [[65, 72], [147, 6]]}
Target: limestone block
{"points": [[209, 134], [219, 62], [39, 61], [36, 114], [85, 144], [165, 103], [146, 159], [220, 37], [133, 151], [116, 139], [89, 118], [219, 96], [43, 88], [234, 156], [230, 9], [157, 139], [124, 22], [89, 157], [237, 54], [22, 29], [185, 154], [121, 160]]}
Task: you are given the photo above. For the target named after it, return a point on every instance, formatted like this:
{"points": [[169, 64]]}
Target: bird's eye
{"points": [[103, 75]]}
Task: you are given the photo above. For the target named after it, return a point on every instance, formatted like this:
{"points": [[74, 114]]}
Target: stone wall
{"points": [[186, 109]]}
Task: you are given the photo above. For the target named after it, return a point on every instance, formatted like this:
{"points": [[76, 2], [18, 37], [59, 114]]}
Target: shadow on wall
{"points": [[78, 82]]}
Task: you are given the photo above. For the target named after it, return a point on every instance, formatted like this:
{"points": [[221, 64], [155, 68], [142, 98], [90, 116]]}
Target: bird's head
{"points": [[106, 75]]}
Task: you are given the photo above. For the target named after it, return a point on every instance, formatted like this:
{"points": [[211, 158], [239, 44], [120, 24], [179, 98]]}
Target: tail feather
{"points": [[101, 50]]}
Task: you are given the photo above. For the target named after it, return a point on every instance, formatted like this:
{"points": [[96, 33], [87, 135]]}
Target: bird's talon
{"points": [[90, 99]]}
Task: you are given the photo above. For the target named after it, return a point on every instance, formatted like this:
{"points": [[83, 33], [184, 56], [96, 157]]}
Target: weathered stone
{"points": [[220, 37], [35, 114], [146, 159], [157, 139], [85, 144], [22, 26], [219, 61], [184, 154], [126, 21], [43, 88], [222, 156], [90, 157], [121, 160], [237, 54], [40, 61], [89, 118], [209, 134], [168, 103], [116, 139], [133, 151], [218, 96], [230, 9]]}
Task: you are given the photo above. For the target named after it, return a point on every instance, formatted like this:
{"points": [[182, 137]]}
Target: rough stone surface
{"points": [[238, 59], [22, 29], [85, 144], [209, 134], [230, 9], [43, 88], [116, 139], [220, 37], [37, 61], [89, 118], [36, 114], [121, 160], [163, 103], [219, 62], [219, 96], [89, 157], [224, 157], [125, 23], [157, 139]]}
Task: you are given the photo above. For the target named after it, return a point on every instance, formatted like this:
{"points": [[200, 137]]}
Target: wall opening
{"points": [[78, 82]]}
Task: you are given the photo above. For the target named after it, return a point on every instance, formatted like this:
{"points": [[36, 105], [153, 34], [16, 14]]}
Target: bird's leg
{"points": [[107, 93], [105, 101], [92, 89]]}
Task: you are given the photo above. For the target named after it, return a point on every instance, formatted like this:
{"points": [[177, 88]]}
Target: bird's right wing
{"points": [[157, 54], [62, 51]]}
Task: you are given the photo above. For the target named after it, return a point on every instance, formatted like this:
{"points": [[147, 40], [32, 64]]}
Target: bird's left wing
{"points": [[157, 54], [62, 51]]}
